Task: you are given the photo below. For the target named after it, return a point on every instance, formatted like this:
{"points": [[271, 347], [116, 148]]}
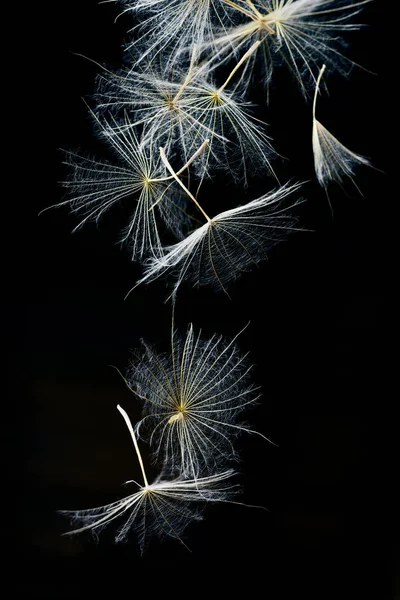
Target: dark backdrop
{"points": [[319, 338]]}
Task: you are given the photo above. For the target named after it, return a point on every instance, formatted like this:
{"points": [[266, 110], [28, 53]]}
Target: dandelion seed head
{"points": [[180, 109], [193, 399], [299, 33], [162, 509], [229, 244], [169, 27], [135, 176]]}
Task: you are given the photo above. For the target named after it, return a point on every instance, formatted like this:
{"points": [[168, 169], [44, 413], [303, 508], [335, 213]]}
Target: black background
{"points": [[319, 337]]}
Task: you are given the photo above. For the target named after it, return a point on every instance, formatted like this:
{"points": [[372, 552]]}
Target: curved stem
{"points": [[245, 56], [175, 176], [253, 8], [189, 75], [317, 89], [185, 166], [240, 8], [129, 425]]}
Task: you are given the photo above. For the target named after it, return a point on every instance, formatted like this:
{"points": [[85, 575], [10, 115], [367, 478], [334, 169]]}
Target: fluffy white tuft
{"points": [[227, 245], [161, 509], [332, 160], [181, 109], [170, 27], [137, 176], [298, 33], [193, 398]]}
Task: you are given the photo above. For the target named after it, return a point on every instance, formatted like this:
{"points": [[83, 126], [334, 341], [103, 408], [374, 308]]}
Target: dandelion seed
{"points": [[332, 160], [161, 509], [192, 399], [228, 244], [178, 110], [96, 186], [169, 27], [298, 33]]}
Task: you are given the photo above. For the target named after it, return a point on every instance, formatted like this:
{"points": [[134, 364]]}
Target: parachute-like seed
{"points": [[193, 398], [332, 160], [170, 27], [161, 509], [228, 244], [137, 175], [180, 109], [299, 33]]}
